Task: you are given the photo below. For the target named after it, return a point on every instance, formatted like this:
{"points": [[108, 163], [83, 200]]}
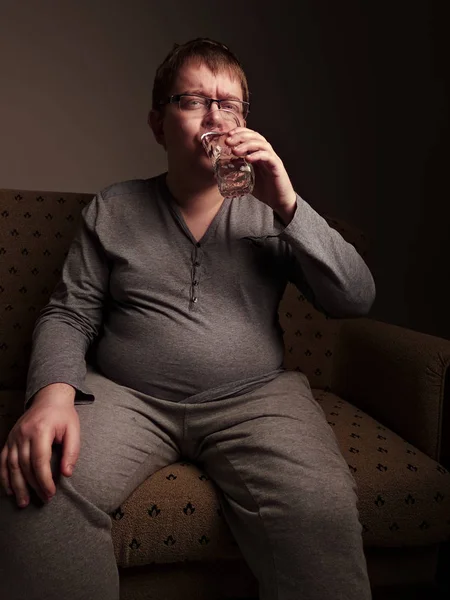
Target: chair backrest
{"points": [[36, 229]]}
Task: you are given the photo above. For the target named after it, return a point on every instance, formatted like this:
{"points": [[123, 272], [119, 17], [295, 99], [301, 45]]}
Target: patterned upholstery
{"points": [[175, 515], [404, 498], [35, 234], [309, 338]]}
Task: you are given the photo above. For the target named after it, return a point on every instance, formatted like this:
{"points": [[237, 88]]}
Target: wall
{"points": [[411, 79], [350, 99]]}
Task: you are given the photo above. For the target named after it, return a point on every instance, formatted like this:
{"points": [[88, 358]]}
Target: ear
{"points": [[156, 122]]}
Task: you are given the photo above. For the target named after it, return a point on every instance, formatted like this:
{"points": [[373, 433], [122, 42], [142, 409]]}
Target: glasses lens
{"points": [[233, 105], [190, 102]]}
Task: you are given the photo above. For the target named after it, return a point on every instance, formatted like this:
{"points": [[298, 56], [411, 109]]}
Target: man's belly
{"points": [[174, 360]]}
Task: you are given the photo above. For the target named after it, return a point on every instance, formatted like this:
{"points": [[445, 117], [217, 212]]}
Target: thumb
{"points": [[71, 450]]}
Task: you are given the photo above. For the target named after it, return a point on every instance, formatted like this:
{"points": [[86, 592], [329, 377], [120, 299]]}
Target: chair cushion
{"points": [[404, 498], [173, 516], [404, 495]]}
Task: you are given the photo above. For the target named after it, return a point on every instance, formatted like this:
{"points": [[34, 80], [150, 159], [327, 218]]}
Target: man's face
{"points": [[180, 131]]}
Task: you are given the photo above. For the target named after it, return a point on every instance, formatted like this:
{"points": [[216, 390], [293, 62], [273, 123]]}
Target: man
{"points": [[175, 290]]}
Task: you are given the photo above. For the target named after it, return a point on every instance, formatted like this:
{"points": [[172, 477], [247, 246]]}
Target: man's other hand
{"points": [[25, 458]]}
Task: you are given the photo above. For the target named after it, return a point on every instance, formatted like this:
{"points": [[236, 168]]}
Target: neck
{"points": [[194, 198]]}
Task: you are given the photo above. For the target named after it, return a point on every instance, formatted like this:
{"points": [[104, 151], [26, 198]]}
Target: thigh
{"points": [[125, 437], [275, 437], [277, 461], [286, 490]]}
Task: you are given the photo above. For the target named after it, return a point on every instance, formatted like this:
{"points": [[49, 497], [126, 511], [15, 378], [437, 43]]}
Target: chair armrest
{"points": [[398, 376]]}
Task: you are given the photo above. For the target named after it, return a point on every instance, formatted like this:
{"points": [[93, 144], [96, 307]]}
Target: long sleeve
{"points": [[72, 318], [326, 268]]}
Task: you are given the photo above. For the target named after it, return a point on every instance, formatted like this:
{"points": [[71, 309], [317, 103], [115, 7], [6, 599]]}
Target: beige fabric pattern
{"points": [[404, 498], [309, 337], [36, 230], [173, 516], [404, 495]]}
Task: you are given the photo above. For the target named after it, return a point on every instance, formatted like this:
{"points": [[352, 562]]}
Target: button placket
{"points": [[197, 257]]}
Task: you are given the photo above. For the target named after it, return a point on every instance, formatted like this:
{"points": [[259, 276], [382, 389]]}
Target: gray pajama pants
{"points": [[288, 495]]}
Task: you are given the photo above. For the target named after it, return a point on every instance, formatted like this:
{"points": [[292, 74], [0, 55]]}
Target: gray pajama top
{"points": [[177, 319]]}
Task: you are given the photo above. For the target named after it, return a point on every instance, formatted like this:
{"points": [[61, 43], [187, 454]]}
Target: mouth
{"points": [[205, 135]]}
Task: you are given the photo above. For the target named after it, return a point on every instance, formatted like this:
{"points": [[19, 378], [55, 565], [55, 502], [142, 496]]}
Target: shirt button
{"points": [[196, 264], [195, 282], [194, 299]]}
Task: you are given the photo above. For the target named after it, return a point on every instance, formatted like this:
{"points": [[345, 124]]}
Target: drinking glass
{"points": [[234, 175]]}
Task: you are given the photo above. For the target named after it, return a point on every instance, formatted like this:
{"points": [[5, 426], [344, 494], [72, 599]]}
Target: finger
{"points": [[239, 130], [245, 135], [41, 454], [250, 147], [4, 473], [18, 483], [27, 470], [71, 449], [261, 155]]}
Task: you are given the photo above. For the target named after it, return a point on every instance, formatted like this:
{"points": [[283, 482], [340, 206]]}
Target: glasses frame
{"points": [[175, 98]]}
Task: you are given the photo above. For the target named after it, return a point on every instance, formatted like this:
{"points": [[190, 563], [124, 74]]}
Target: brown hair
{"points": [[213, 54]]}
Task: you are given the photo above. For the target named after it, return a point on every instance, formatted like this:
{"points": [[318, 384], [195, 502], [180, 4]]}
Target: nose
{"points": [[219, 119], [215, 106], [214, 119]]}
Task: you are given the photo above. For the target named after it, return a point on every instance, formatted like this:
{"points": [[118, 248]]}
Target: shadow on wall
{"points": [[429, 268], [428, 273]]}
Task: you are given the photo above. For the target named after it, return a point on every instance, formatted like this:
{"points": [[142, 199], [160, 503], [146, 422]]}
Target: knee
{"points": [[336, 509], [329, 504]]}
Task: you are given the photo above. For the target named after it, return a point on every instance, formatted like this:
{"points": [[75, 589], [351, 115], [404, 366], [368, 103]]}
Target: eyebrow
{"points": [[202, 93]]}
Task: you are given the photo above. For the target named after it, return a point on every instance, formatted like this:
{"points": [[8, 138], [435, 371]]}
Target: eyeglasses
{"points": [[202, 104]]}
